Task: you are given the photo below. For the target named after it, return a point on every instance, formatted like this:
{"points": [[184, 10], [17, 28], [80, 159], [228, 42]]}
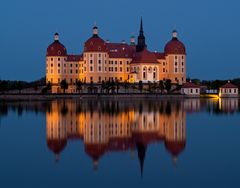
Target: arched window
{"points": [[144, 73], [155, 73]]}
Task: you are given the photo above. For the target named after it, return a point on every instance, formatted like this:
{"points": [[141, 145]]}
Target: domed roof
{"points": [[56, 146], [95, 44], [95, 151], [175, 147], [175, 46], [56, 48], [145, 56]]}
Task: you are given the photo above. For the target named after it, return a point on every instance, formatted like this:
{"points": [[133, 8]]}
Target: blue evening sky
{"points": [[210, 30]]}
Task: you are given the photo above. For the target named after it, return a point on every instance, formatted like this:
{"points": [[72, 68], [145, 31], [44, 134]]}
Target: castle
{"points": [[105, 61]]}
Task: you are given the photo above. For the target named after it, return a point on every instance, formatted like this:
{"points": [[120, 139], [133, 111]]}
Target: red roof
{"points": [[119, 50], [190, 85], [175, 46], [57, 145], [74, 57], [144, 56], [159, 55], [229, 85], [95, 150], [56, 49], [95, 44], [175, 147]]}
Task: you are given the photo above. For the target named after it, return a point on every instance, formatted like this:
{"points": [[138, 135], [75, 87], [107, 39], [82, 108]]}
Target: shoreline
{"points": [[82, 96]]}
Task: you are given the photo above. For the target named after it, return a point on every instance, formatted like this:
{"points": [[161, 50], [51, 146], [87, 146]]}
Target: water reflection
{"points": [[109, 126], [106, 126]]}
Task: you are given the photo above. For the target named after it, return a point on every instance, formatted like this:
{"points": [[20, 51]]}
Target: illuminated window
{"points": [[144, 75]]}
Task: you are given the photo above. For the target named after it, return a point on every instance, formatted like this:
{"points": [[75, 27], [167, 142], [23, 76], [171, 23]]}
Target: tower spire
{"points": [[141, 26], [141, 39]]}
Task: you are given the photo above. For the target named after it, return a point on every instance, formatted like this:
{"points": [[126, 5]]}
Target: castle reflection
{"points": [[110, 126], [107, 126]]}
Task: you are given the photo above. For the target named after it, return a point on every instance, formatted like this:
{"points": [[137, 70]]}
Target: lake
{"points": [[120, 143]]}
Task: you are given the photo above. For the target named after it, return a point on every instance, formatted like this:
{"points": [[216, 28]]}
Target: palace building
{"points": [[103, 61]]}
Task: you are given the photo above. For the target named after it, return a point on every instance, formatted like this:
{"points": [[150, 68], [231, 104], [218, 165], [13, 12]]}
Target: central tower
{"points": [[141, 39]]}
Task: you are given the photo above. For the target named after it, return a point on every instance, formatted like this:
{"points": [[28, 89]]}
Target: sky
{"points": [[210, 31]]}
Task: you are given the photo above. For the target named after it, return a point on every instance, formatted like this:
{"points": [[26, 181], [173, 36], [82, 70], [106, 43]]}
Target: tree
{"points": [[19, 86], [126, 85], [168, 85], [3, 86], [35, 86], [117, 86], [103, 86], [79, 85], [149, 87], [161, 86], [64, 85], [154, 87], [140, 86], [113, 87]]}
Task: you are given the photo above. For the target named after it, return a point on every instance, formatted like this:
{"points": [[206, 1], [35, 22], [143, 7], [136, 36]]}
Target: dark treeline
{"points": [[215, 84], [7, 85], [113, 86]]}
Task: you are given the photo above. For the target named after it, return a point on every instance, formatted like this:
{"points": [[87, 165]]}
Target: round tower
{"points": [[55, 59]]}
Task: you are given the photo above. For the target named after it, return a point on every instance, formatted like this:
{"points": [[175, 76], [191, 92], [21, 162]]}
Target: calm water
{"points": [[178, 143]]}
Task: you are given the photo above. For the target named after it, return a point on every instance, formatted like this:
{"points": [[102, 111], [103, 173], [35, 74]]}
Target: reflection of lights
{"points": [[220, 103]]}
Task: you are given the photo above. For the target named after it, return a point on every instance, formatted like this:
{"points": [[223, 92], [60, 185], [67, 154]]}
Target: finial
{"points": [[95, 29], [174, 33], [56, 36]]}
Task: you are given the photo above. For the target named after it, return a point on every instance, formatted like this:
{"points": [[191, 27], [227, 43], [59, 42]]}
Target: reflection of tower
{"points": [[175, 141], [141, 149], [56, 133], [61, 124]]}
